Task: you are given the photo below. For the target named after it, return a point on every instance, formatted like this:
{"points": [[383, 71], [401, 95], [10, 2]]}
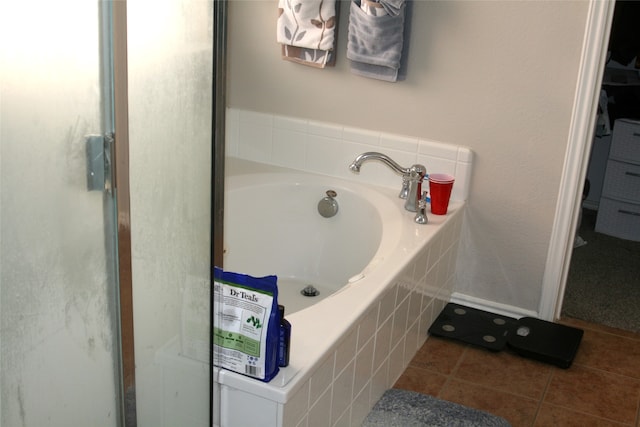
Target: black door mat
{"points": [[546, 341], [529, 337], [473, 326]]}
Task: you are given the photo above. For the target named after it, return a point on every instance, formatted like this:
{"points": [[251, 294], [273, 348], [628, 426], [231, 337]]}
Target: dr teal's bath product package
{"points": [[246, 324]]}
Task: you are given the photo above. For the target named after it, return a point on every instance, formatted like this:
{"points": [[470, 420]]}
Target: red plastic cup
{"points": [[440, 185]]}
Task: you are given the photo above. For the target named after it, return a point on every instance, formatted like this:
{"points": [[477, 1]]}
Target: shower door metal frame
{"points": [[218, 131], [219, 88], [115, 118]]}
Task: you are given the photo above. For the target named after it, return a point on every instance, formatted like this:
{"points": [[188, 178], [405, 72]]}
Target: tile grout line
{"points": [[542, 398], [451, 375]]}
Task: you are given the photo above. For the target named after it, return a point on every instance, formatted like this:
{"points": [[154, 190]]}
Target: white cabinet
{"points": [[619, 210]]}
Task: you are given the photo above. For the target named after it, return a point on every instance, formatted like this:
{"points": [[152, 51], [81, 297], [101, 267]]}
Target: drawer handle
{"points": [[637, 175], [623, 211]]}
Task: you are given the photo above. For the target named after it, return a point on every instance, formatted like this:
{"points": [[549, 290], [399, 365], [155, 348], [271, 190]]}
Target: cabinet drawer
{"points": [[625, 144], [619, 219], [622, 181]]}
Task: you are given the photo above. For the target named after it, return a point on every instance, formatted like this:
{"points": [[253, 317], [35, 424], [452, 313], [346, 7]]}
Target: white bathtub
{"points": [[385, 279], [273, 226]]}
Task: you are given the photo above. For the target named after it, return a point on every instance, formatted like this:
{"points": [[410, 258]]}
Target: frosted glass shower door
{"points": [[58, 361], [170, 68]]}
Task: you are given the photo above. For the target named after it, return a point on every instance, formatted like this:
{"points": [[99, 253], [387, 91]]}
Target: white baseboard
{"points": [[491, 306]]}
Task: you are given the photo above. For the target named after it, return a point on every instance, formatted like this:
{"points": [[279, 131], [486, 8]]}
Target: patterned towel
{"points": [[307, 30]]}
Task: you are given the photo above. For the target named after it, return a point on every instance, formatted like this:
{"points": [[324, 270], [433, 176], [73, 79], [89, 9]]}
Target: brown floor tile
{"points": [[600, 389], [595, 392], [438, 355], [421, 380], [611, 353], [504, 371], [553, 416], [518, 410]]}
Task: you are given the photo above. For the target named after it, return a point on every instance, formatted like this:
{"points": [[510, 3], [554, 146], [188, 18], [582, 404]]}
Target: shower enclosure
{"points": [[104, 243]]}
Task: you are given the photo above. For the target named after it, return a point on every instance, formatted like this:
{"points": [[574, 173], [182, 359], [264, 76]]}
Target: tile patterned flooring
{"points": [[601, 388]]}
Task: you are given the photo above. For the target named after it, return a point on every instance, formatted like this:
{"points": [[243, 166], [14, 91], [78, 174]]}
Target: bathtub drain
{"points": [[310, 291]]}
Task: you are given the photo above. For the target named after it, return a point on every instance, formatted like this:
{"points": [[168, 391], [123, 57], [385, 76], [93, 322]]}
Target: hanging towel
{"points": [[312, 57], [307, 31], [376, 38]]}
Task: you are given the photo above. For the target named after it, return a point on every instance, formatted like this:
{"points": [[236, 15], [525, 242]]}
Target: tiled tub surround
{"points": [[329, 148], [349, 348]]}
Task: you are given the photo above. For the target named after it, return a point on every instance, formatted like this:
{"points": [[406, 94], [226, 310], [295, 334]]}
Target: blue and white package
{"points": [[246, 324]]}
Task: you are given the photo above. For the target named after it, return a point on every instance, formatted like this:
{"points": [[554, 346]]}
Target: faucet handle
{"points": [[421, 212], [404, 191]]}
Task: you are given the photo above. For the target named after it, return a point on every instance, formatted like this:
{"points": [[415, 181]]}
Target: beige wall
{"points": [[496, 76]]}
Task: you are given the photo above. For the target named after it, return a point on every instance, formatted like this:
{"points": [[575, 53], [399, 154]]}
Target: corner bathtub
{"points": [[382, 280]]}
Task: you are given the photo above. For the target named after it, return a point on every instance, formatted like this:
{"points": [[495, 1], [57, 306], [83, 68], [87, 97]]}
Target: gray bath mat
{"points": [[403, 408]]}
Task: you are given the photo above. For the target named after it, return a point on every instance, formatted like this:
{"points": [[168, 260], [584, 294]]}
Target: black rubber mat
{"points": [[529, 337], [546, 341], [473, 326]]}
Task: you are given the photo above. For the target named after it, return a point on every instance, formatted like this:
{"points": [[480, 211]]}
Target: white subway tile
{"points": [[321, 155], [321, 379], [379, 382], [319, 414], [400, 320], [399, 143], [465, 155], [325, 129], [296, 408], [438, 149], [331, 147], [361, 405], [437, 164], [255, 142], [396, 360], [302, 423], [415, 307], [361, 136], [289, 149], [342, 392], [368, 325], [387, 304], [426, 318], [344, 420], [364, 365], [290, 123], [256, 118], [411, 341], [382, 344], [346, 351]]}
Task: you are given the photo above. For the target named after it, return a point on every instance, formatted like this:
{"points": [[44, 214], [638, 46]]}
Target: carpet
{"points": [[403, 408], [603, 283]]}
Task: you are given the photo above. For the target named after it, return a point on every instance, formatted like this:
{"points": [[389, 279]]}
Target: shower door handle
{"points": [[98, 153]]}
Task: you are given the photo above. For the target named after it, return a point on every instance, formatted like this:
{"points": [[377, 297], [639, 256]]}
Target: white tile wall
{"points": [[329, 148]]}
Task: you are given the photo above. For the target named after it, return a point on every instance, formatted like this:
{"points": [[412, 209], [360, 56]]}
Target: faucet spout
{"points": [[372, 155], [411, 177]]}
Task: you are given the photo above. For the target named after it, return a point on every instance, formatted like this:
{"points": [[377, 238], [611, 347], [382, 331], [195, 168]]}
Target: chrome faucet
{"points": [[411, 177]]}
